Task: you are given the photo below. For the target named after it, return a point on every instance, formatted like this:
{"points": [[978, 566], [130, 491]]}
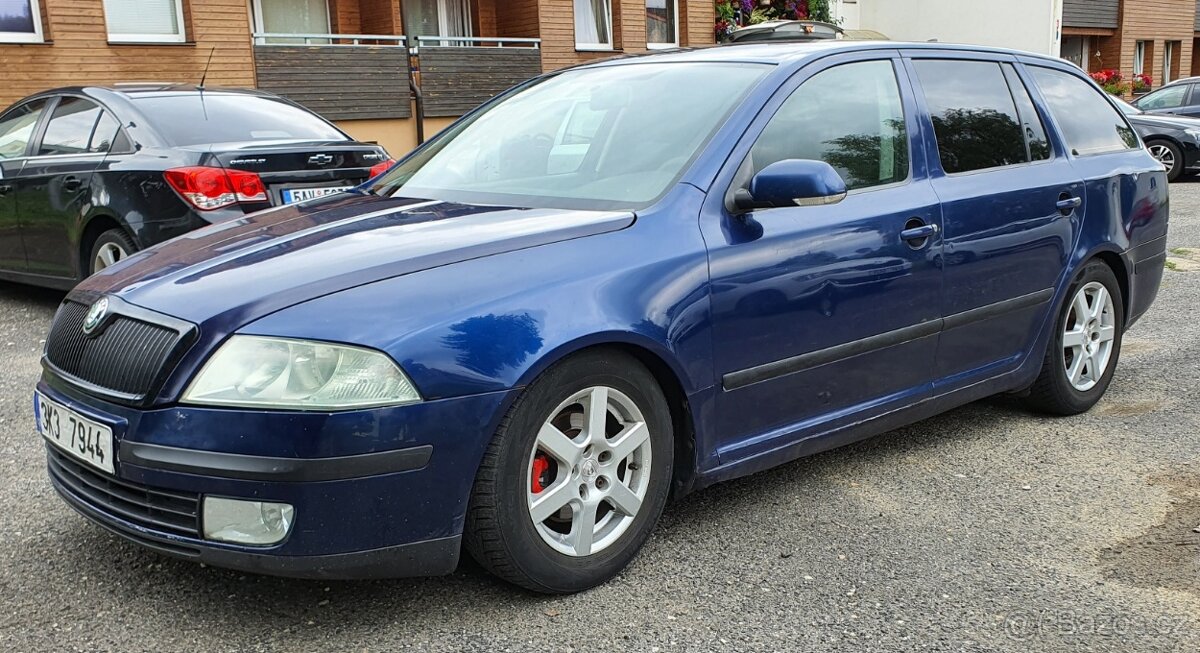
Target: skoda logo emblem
{"points": [[95, 315]]}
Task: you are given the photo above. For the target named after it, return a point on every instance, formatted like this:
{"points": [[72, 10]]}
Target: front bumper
{"points": [[377, 493]]}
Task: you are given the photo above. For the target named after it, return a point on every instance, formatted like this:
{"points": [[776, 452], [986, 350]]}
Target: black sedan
{"points": [[1173, 140], [90, 175]]}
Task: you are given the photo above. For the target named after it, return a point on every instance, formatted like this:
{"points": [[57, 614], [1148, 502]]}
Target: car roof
{"points": [[794, 52], [150, 89]]}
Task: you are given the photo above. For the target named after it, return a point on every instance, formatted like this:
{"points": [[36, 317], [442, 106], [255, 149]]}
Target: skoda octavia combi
{"points": [[610, 285]]}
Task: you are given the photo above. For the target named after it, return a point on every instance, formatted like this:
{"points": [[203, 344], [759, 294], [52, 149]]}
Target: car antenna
{"points": [[208, 63]]}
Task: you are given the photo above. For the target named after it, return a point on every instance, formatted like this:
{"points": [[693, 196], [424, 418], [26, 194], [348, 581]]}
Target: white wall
{"points": [[1031, 25]]}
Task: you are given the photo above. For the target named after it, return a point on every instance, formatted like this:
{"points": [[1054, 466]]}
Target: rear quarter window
{"points": [[1089, 122]]}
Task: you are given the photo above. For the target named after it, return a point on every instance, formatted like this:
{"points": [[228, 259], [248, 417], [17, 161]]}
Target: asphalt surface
{"points": [[985, 529]]}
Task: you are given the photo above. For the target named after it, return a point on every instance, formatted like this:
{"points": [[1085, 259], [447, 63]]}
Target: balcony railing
{"points": [[284, 38], [474, 41]]}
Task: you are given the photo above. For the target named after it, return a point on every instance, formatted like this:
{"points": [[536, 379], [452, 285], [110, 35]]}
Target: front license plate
{"points": [[73, 433], [291, 195]]}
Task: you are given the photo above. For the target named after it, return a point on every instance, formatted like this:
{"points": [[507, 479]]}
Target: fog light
{"points": [[246, 522]]}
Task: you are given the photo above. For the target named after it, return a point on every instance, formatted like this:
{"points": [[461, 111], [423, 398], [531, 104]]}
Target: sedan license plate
{"points": [[73, 433], [291, 195]]}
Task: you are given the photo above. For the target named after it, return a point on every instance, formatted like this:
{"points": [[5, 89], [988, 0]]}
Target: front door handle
{"points": [[914, 234], [72, 183], [1066, 203]]}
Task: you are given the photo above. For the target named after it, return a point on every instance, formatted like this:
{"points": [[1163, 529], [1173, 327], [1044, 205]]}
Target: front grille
{"points": [[161, 510], [125, 359]]}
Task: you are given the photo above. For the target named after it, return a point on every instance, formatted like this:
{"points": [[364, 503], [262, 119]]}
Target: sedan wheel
{"points": [[1168, 155], [108, 254], [110, 248], [575, 477], [589, 468]]}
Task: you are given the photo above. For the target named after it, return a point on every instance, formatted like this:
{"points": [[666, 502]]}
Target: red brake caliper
{"points": [[541, 464]]}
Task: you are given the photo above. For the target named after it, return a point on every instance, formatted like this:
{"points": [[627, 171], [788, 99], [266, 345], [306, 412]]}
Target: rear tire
{"points": [[1085, 346], [1168, 154], [110, 248], [530, 504]]}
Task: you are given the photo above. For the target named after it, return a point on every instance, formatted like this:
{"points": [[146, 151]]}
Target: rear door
{"points": [[17, 128], [1011, 210], [825, 314], [54, 187]]}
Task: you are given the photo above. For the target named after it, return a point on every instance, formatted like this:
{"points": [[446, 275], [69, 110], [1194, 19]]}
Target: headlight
{"points": [[286, 373]]}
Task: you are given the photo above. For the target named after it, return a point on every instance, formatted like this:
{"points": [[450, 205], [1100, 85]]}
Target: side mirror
{"points": [[792, 182]]}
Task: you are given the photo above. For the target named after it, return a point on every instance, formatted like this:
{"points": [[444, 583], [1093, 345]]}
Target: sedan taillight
{"points": [[380, 168], [213, 188]]}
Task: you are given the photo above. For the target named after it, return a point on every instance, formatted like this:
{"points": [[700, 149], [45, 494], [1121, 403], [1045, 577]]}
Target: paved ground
{"points": [[984, 529]]}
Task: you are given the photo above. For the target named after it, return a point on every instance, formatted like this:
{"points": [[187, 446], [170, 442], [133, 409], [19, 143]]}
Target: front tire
{"points": [[1086, 344], [576, 476], [111, 247]]}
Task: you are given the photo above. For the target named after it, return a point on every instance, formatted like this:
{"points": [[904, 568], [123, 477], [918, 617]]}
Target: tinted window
{"points": [[1164, 98], [1089, 123], [194, 119], [16, 128], [974, 118], [108, 136], [849, 116], [70, 127], [1031, 122]]}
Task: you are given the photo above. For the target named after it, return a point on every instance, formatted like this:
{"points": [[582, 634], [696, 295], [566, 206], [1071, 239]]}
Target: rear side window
{"points": [[16, 128], [1167, 98], [196, 119], [1089, 123], [1031, 122], [974, 117], [108, 137], [70, 127], [849, 116]]}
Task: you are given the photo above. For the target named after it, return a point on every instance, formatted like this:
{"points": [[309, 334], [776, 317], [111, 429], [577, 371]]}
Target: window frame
{"points": [[581, 46], [38, 34], [149, 39], [663, 45]]}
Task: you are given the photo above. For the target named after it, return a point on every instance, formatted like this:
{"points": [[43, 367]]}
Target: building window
{"points": [[20, 21], [1171, 61], [144, 21], [292, 17], [662, 23], [1139, 58], [1077, 50], [438, 18], [593, 25]]}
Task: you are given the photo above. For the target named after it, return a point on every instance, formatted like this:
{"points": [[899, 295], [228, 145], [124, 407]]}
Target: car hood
{"points": [[243, 269]]}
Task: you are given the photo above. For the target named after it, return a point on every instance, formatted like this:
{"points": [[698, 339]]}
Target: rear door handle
{"points": [[5, 189], [1068, 204], [72, 183]]}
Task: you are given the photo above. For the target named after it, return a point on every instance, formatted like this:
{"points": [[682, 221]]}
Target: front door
{"points": [[17, 127], [1011, 206], [823, 314], [54, 188]]}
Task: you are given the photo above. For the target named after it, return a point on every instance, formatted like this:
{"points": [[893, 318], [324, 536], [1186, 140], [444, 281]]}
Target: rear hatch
{"points": [[294, 171]]}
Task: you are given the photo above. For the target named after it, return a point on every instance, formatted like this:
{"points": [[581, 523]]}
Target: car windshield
{"points": [[190, 119], [593, 138], [1126, 108]]}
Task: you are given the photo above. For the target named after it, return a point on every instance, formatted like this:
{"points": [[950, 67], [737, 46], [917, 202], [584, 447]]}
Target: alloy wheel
{"points": [[589, 471], [108, 254], [1163, 155], [1088, 335]]}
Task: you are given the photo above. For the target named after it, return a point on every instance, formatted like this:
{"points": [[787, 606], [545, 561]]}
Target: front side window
{"points": [[974, 118], [593, 25], [144, 21], [849, 116], [70, 128], [20, 21], [1165, 98], [662, 23], [612, 137], [1089, 123], [16, 128]]}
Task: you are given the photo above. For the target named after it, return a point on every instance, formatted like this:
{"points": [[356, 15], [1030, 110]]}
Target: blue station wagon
{"points": [[611, 285]]}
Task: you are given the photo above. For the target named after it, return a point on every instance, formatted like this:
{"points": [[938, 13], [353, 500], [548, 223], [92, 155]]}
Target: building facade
{"points": [[1152, 37], [347, 59]]}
